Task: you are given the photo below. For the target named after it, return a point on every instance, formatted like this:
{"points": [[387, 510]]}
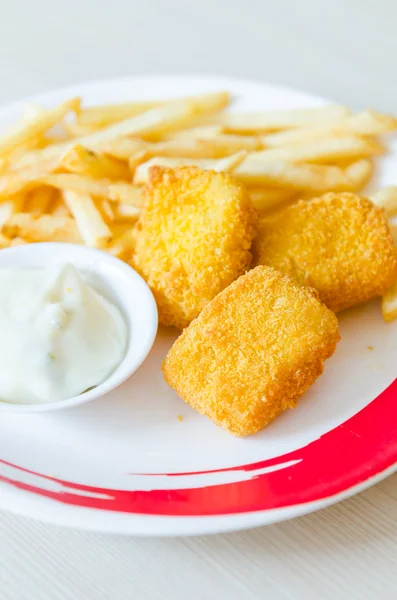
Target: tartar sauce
{"points": [[58, 336]]}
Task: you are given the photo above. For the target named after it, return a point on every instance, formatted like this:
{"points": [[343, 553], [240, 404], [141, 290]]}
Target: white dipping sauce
{"points": [[58, 336]]}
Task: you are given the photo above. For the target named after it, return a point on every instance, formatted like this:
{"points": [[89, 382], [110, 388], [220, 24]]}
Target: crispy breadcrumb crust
{"points": [[193, 239], [252, 351], [339, 244]]}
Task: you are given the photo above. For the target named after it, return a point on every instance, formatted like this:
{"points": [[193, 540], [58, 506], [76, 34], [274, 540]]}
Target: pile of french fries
{"points": [[75, 174]]}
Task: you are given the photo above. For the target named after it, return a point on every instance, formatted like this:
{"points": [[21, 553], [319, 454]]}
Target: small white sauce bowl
{"points": [[113, 279]]}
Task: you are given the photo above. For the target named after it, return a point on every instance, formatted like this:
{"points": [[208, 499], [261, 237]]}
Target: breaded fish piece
{"points": [[193, 239], [252, 351], [340, 244]]}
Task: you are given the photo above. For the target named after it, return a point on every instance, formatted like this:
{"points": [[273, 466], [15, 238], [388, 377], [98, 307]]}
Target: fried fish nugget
{"points": [[193, 239], [252, 351], [340, 244]]}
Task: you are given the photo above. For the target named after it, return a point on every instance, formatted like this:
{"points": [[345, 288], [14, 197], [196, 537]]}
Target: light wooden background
{"points": [[345, 50]]}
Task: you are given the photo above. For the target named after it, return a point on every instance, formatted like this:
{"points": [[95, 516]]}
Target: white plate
{"points": [[126, 463]]}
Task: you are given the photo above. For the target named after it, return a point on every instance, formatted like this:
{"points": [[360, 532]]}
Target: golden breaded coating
{"points": [[193, 239], [252, 351], [340, 244]]}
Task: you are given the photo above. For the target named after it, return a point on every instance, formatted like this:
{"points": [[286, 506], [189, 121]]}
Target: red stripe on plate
{"points": [[360, 448]]}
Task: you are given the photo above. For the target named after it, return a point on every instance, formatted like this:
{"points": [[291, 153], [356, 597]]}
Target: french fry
{"points": [[212, 147], [188, 147], [290, 176], [39, 200], [97, 117], [105, 209], [43, 228], [32, 112], [22, 180], [126, 193], [119, 228], [18, 241], [389, 303], [359, 173], [126, 212], [37, 143], [30, 158], [265, 200], [323, 151], [78, 159], [5, 242], [256, 122], [89, 221], [122, 246], [195, 133], [31, 128], [367, 122], [124, 148], [58, 207], [4, 164], [224, 164], [387, 198], [393, 231], [77, 183], [136, 159], [158, 120], [11, 207], [101, 116]]}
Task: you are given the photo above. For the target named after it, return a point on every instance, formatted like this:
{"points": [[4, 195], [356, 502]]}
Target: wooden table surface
{"points": [[345, 50]]}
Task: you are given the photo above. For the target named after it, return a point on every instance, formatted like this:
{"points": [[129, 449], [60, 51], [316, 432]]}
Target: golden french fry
{"points": [[137, 159], [195, 133], [22, 180], [126, 193], [227, 143], [32, 112], [393, 230], [43, 228], [256, 122], [126, 212], [105, 209], [31, 128], [387, 198], [97, 117], [58, 207], [322, 151], [10, 207], [100, 116], [291, 176], [367, 122], [123, 246], [158, 120], [77, 183], [211, 102], [268, 199], [89, 221], [224, 164], [4, 164], [124, 148], [119, 228], [5, 242], [39, 200], [78, 159], [187, 147], [18, 241], [359, 173], [389, 303]]}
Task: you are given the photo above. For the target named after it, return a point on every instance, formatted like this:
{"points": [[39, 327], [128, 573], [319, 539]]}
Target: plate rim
{"points": [[153, 525]]}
